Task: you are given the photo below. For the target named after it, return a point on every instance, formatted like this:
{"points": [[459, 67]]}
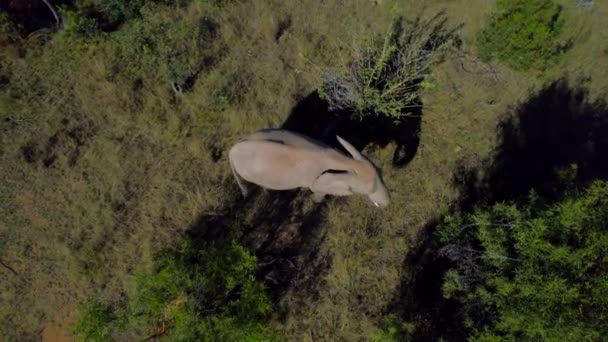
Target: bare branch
{"points": [[8, 267]]}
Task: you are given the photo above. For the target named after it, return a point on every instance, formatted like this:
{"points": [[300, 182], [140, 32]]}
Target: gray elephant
{"points": [[281, 160]]}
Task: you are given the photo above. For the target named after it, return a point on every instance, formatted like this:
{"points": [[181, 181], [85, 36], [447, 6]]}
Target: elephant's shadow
{"points": [[312, 117]]}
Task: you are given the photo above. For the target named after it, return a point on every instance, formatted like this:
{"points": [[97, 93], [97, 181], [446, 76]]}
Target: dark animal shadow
{"points": [[312, 117], [556, 140]]}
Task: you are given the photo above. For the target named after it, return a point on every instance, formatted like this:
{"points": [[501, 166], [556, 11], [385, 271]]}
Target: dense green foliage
{"points": [[524, 34], [392, 329], [208, 294], [94, 323], [532, 271], [106, 14]]}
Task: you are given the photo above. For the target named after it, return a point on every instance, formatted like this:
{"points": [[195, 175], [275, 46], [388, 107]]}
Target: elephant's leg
{"points": [[240, 181], [318, 197]]}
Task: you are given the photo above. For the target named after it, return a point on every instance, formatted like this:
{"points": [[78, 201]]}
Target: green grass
{"points": [[130, 166]]}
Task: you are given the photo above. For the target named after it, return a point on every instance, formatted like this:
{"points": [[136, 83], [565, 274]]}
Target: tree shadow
{"points": [[282, 228], [556, 140]]}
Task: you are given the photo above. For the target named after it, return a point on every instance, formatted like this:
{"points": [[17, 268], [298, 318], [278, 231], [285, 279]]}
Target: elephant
{"points": [[278, 159]]}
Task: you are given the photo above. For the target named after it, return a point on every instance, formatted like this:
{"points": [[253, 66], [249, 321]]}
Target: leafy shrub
{"points": [[109, 13], [209, 294], [120, 10], [168, 48], [387, 76], [391, 328], [94, 323], [532, 272], [524, 34], [77, 24]]}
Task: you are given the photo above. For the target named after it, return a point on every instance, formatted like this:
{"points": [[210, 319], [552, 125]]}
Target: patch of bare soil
{"points": [[54, 333]]}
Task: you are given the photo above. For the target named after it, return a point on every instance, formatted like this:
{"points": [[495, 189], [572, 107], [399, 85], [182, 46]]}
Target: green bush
{"points": [[75, 24], [109, 13], [392, 329], [525, 34], [532, 271], [94, 323], [208, 294]]}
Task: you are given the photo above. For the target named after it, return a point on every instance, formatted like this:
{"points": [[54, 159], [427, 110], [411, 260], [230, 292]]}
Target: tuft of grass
{"points": [[94, 322]]}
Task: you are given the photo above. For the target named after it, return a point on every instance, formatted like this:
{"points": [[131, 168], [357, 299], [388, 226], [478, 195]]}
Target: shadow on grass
{"points": [[557, 139], [282, 228], [556, 130]]}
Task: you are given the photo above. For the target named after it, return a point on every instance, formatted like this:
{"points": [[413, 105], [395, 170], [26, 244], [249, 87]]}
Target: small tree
{"points": [[94, 323], [207, 294], [530, 272]]}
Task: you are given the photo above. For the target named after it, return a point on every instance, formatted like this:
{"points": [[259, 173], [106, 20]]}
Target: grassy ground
{"points": [[103, 165]]}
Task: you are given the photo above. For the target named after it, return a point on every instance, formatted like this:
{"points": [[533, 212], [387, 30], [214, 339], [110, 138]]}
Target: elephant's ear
{"points": [[350, 148], [334, 182]]}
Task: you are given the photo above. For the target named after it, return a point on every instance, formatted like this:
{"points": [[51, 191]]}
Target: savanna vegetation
{"points": [[191, 294], [120, 219], [531, 272]]}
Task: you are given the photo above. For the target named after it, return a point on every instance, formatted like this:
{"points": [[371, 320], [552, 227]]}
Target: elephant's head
{"points": [[364, 177]]}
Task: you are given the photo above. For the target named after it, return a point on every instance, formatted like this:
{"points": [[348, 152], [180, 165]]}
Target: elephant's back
{"points": [[274, 165]]}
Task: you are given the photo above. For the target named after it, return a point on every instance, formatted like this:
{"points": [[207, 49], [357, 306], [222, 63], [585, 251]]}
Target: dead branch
{"points": [[8, 267], [463, 62]]}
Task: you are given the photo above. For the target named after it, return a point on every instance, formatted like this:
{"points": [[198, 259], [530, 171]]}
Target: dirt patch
{"points": [[53, 333]]}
